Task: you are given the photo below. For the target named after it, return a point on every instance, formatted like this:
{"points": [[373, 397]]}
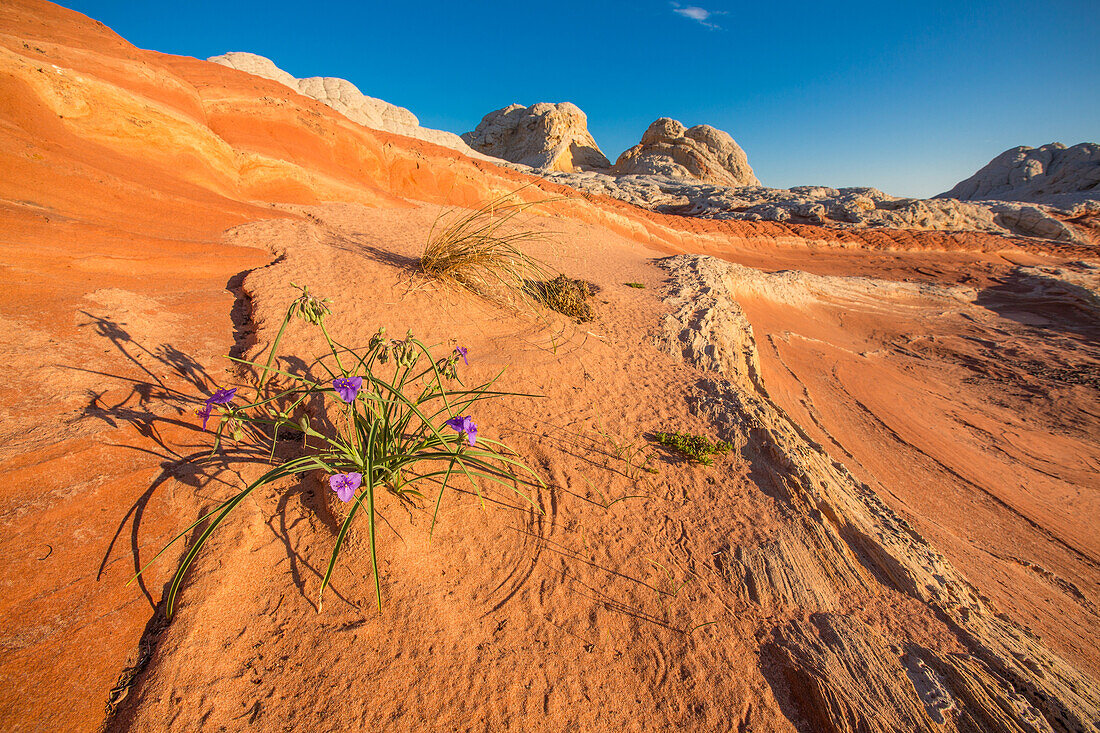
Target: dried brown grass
{"points": [[480, 250]]}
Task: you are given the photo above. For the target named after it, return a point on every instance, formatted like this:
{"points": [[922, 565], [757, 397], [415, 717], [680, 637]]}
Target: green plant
{"points": [[697, 447], [479, 249], [639, 286], [636, 456], [565, 295], [676, 587], [402, 424]]}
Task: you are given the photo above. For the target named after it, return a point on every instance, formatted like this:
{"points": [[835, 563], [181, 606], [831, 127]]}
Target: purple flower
{"points": [[464, 425], [347, 387], [461, 351], [221, 397], [204, 413], [345, 484]]}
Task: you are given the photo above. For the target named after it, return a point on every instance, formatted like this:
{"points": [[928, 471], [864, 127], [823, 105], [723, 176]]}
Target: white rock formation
{"points": [[544, 136], [701, 153], [846, 208], [1051, 174], [251, 63], [669, 171], [345, 98]]}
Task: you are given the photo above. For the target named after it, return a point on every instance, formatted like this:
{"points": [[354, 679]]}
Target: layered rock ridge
{"points": [[842, 208], [840, 537]]}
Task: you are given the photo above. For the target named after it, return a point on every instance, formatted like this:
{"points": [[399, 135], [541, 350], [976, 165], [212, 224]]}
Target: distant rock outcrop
{"points": [[544, 136], [845, 208], [702, 152], [345, 98], [1050, 174]]}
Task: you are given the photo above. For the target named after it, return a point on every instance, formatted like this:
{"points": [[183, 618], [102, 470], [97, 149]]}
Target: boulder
{"points": [[1051, 174], [345, 98], [544, 136], [702, 153]]}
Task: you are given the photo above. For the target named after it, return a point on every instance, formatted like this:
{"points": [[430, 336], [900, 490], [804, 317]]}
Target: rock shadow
{"points": [[1045, 303]]}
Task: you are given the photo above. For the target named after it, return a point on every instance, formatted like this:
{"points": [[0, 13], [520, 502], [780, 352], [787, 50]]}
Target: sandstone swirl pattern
{"points": [[840, 535]]}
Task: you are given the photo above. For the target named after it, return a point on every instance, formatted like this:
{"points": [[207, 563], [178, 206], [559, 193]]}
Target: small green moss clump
{"points": [[697, 447], [640, 286], [565, 295]]}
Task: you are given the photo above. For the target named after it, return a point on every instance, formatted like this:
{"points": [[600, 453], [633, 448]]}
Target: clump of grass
{"points": [[406, 423], [480, 250], [639, 286], [636, 456], [696, 447], [566, 296]]}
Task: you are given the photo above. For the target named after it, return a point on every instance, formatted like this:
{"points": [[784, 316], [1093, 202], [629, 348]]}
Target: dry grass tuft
{"points": [[480, 250], [565, 295]]}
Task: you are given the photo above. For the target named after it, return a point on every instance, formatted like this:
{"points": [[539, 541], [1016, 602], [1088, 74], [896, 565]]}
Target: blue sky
{"points": [[906, 97]]}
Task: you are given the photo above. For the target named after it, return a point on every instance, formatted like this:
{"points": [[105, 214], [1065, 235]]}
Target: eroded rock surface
{"points": [[1051, 174], [656, 595], [850, 678], [544, 136], [701, 153], [843, 208]]}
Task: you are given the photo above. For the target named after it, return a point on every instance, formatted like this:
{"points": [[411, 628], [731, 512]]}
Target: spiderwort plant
{"points": [[347, 387], [221, 397], [409, 424], [465, 427], [345, 484]]}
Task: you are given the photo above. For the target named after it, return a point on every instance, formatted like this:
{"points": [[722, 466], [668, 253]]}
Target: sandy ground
{"points": [[512, 618], [903, 538]]}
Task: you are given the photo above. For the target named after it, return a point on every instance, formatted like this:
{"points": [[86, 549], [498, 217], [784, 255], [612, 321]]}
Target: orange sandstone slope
{"points": [[120, 170]]}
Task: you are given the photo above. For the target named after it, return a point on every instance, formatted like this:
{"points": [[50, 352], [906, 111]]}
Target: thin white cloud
{"points": [[694, 13], [701, 16]]}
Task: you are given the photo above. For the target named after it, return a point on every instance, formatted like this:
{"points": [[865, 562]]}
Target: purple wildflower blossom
{"points": [[221, 397], [345, 484], [204, 413], [461, 351], [347, 387], [464, 425]]}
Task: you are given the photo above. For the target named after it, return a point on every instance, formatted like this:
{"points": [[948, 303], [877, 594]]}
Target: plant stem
{"points": [[332, 347], [275, 345]]}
